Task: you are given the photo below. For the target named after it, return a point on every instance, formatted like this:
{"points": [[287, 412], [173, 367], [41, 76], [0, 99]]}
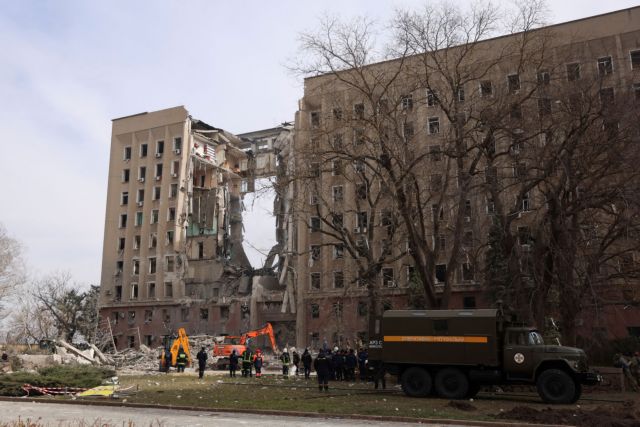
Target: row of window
{"points": [[153, 241], [169, 265], [185, 314], [604, 66], [154, 218], [142, 172], [159, 151]]}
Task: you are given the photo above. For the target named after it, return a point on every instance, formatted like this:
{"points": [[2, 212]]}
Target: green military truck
{"points": [[455, 352]]}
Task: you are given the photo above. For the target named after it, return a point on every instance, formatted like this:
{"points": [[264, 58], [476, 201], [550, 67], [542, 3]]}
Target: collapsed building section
{"points": [[173, 255]]}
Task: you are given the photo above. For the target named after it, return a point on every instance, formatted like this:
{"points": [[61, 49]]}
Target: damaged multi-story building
{"points": [[173, 254]]}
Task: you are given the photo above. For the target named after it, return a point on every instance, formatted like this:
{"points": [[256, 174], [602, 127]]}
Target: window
{"points": [[136, 242], [337, 142], [435, 153], [442, 242], [136, 267], [142, 173], [204, 314], [386, 219], [606, 96], [467, 272], [123, 220], [467, 208], [544, 106], [486, 88], [315, 311], [156, 193], [315, 280], [127, 153], [359, 166], [166, 315], [491, 174], [362, 221], [337, 220], [184, 314], [134, 291], [524, 236], [153, 240], [315, 252], [168, 289], [469, 303], [336, 168], [175, 168], [460, 94], [407, 131], [155, 215], [520, 170], [337, 114], [158, 171], [635, 59], [338, 193], [125, 175], [151, 290], [514, 83], [433, 125], [313, 199], [526, 202], [200, 250], [338, 280], [544, 78], [152, 265], [159, 148], [171, 214], [387, 278], [169, 261], [361, 191], [121, 245], [432, 98], [169, 237], [441, 273], [363, 309], [605, 66], [516, 112], [436, 182], [337, 311], [358, 111], [406, 102], [491, 206], [143, 150], [173, 191], [338, 251], [131, 341], [177, 144], [573, 72], [315, 170], [315, 224], [140, 198], [358, 136], [315, 119]]}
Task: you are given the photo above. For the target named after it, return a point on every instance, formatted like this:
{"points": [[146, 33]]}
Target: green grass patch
{"points": [[82, 376]]}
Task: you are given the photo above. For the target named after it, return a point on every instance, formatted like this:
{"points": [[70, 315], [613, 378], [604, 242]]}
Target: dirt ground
{"points": [[272, 392]]}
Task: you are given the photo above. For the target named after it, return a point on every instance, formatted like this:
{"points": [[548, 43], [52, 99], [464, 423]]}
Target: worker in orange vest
{"points": [[257, 363]]}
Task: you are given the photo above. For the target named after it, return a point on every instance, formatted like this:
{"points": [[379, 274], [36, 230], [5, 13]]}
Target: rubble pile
{"points": [[143, 359]]}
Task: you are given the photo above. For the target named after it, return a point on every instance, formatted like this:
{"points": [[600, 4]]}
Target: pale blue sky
{"points": [[68, 67]]}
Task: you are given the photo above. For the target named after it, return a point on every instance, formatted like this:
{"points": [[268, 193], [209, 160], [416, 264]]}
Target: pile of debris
{"points": [[143, 359]]}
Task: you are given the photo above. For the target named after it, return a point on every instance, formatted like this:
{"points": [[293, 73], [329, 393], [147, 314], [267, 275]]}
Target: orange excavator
{"points": [[239, 343], [169, 356]]}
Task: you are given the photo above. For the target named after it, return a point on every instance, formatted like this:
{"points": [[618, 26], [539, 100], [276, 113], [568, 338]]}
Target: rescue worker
{"points": [[285, 359], [306, 362], [181, 360], [296, 360], [233, 363], [322, 365], [202, 362], [337, 360], [350, 363], [379, 376], [247, 360], [257, 363], [362, 363]]}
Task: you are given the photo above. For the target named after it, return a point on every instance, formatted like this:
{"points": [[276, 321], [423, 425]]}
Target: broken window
{"points": [[635, 59], [153, 240], [127, 153], [125, 175], [204, 314], [124, 198], [337, 220], [123, 220], [315, 280], [158, 171], [156, 193], [338, 279], [362, 222], [315, 311], [358, 111], [338, 251], [171, 214], [134, 291], [170, 263], [605, 66], [131, 341], [315, 119], [159, 148], [169, 239], [514, 83], [168, 289], [432, 98], [361, 191], [387, 278], [338, 193], [136, 242], [143, 150], [314, 224], [434, 125], [200, 250], [118, 293], [155, 216], [173, 193], [151, 290], [136, 267], [441, 273], [177, 145], [359, 166], [121, 243], [116, 317], [119, 266], [152, 265], [140, 198], [486, 88], [315, 252], [573, 71], [175, 168]]}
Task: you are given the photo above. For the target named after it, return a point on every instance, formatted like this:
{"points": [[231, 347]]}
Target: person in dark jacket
{"points": [[337, 361], [181, 360], [350, 362], [362, 363], [233, 363], [296, 361], [202, 362], [322, 365], [257, 363], [306, 362], [285, 359]]}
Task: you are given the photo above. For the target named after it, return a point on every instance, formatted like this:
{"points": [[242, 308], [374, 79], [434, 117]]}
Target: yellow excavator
{"points": [[169, 356]]}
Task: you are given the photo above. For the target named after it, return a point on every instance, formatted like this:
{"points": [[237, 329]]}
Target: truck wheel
{"points": [[556, 386], [452, 383], [416, 382], [577, 393]]}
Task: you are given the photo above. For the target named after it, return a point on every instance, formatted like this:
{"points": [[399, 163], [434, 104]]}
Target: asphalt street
{"points": [[61, 415]]}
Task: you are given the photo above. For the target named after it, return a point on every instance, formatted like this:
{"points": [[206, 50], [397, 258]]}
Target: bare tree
{"points": [[11, 266]]}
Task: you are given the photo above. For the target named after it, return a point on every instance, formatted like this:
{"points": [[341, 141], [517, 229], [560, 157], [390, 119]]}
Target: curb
{"points": [[280, 413]]}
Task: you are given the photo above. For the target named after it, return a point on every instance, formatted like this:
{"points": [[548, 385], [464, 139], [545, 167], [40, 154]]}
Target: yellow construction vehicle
{"points": [[169, 356]]}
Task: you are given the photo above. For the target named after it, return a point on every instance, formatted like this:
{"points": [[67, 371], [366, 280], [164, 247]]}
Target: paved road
{"points": [[61, 415]]}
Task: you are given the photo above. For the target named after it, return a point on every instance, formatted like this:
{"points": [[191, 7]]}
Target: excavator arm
{"points": [[266, 330], [181, 341]]}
